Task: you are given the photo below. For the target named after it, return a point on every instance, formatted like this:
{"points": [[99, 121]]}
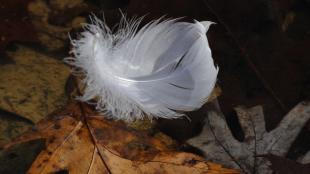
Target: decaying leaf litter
{"points": [[230, 96], [14, 16]]}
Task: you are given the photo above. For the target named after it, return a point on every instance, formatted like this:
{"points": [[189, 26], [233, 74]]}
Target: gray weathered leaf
{"points": [[219, 145]]}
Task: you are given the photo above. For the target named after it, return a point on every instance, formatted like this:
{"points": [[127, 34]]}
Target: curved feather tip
{"points": [[161, 70]]}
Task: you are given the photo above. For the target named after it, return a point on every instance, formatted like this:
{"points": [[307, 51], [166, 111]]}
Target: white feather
{"points": [[161, 70]]}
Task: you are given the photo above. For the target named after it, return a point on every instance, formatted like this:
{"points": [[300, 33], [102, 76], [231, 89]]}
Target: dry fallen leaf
{"points": [[80, 141], [219, 145]]}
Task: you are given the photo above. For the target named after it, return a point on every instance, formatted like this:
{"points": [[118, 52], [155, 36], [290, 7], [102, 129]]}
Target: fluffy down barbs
{"points": [[161, 70]]}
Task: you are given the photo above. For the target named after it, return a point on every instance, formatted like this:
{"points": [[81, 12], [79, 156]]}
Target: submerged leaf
{"points": [[33, 86]]}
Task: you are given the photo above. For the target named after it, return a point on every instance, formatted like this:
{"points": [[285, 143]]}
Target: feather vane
{"points": [[161, 70]]}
